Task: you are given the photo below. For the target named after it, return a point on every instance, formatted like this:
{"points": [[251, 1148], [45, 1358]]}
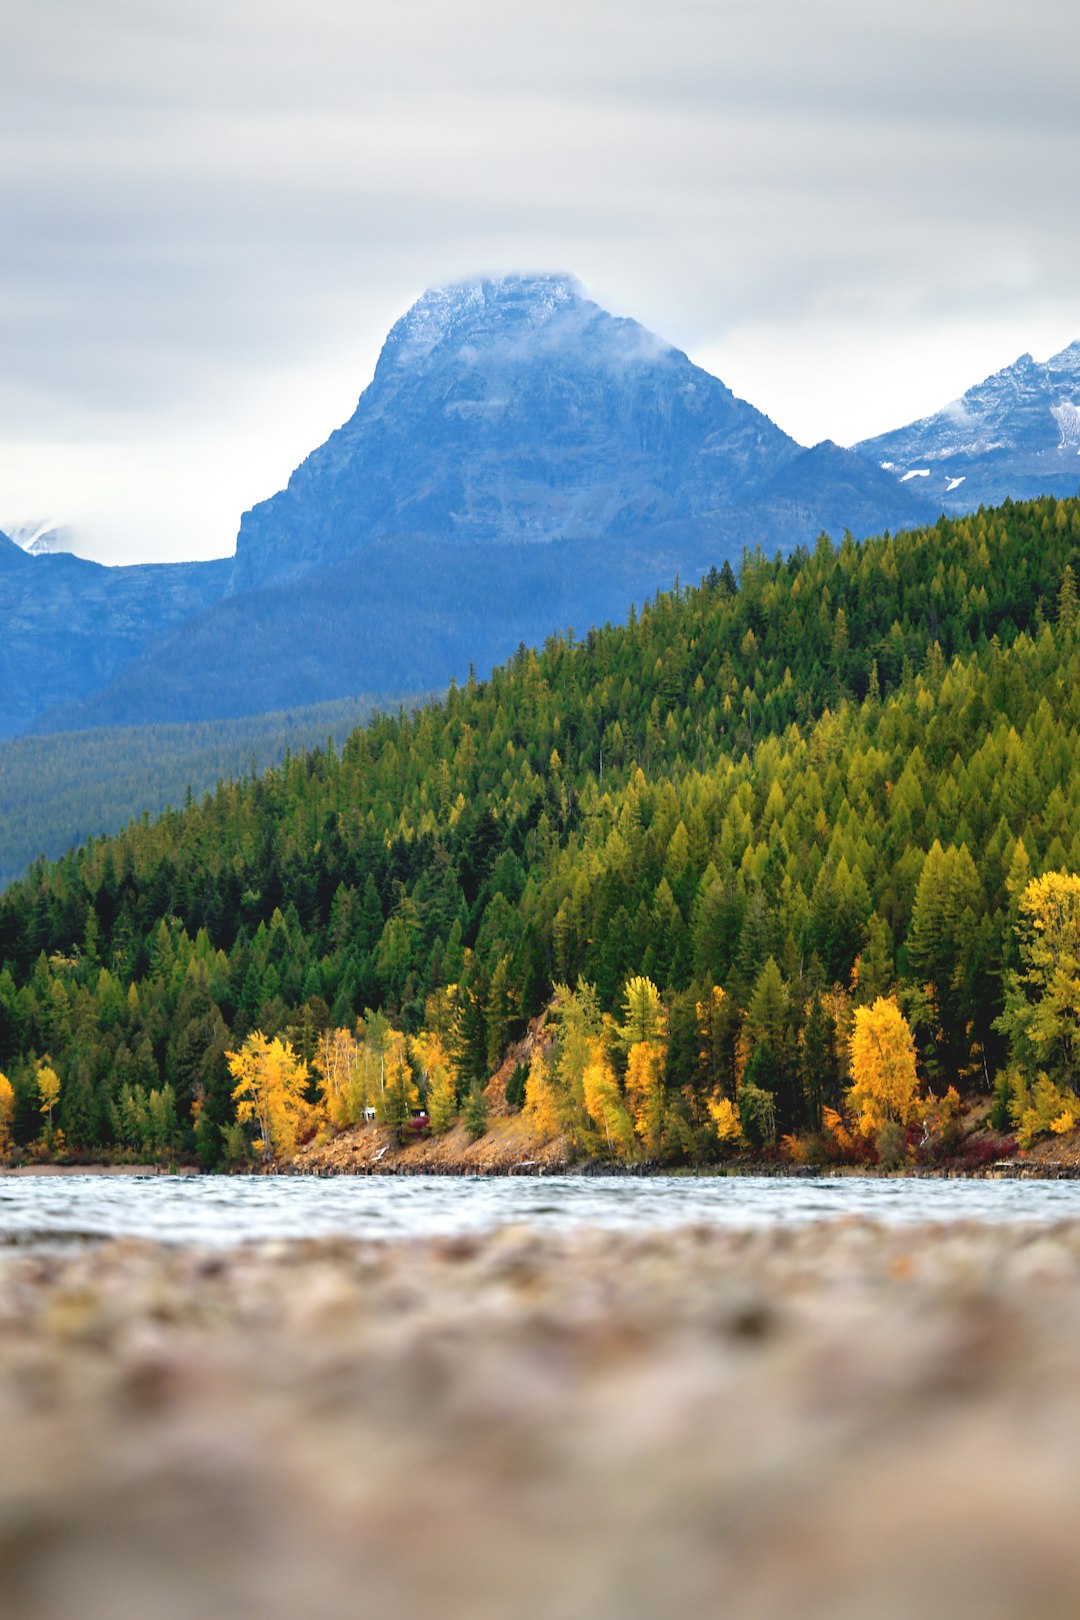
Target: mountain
{"points": [[1015, 435], [40, 537], [522, 461], [517, 411]]}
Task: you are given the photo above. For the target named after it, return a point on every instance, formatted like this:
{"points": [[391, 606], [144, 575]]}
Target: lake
{"points": [[218, 1210]]}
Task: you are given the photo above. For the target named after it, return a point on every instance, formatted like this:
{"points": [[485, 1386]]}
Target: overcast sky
{"points": [[213, 210]]}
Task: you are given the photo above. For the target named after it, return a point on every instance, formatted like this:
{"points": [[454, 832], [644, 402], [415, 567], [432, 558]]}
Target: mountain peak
{"points": [[39, 537], [1066, 359], [482, 307]]}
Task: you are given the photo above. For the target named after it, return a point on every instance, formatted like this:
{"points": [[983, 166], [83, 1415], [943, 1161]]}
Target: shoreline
{"points": [[1012, 1170]]}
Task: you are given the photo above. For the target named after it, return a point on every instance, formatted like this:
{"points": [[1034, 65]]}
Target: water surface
{"points": [[227, 1210]]}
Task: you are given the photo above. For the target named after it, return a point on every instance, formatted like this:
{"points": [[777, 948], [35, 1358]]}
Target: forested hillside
{"points": [[60, 789], [777, 799]]}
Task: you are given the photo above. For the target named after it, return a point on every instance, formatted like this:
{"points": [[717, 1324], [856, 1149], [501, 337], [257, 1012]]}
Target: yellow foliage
{"points": [[884, 1083], [442, 1098], [342, 1083], [7, 1109], [835, 1127], [541, 1101], [725, 1116], [645, 1092], [604, 1103], [270, 1081], [1040, 1109], [644, 1014], [48, 1086], [1050, 949], [793, 1149], [1063, 1123]]}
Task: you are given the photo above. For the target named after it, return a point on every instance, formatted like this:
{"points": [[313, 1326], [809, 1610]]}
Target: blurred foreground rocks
{"points": [[832, 1422]]}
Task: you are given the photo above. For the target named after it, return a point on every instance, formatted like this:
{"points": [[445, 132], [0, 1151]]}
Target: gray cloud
{"points": [[213, 211]]}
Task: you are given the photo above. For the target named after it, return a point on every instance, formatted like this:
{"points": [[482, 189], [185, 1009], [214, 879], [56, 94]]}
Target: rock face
{"points": [[1015, 435], [517, 411]]}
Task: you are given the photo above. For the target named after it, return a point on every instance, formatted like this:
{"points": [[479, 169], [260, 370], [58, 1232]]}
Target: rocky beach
{"points": [[838, 1419]]}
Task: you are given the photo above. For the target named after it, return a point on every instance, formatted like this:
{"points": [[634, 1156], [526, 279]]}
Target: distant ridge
{"points": [[1015, 435]]}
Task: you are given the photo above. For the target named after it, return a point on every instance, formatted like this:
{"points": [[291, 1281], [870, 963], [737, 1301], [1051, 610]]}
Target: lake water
{"points": [[223, 1210]]}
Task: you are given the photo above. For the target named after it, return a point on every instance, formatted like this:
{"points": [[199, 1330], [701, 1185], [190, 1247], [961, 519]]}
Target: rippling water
{"points": [[220, 1210]]}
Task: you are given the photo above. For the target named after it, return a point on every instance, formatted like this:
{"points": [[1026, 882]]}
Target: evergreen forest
{"points": [[61, 788], [724, 831]]}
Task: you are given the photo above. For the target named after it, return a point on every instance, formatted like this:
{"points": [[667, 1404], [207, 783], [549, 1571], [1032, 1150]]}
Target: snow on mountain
{"points": [[40, 537], [1015, 434]]}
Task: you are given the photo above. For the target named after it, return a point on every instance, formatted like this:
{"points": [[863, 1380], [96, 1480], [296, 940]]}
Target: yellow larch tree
{"points": [[643, 1015], [725, 1118], [645, 1092], [48, 1090], [7, 1111], [442, 1103], [541, 1099], [400, 1095], [437, 1074], [338, 1062], [1042, 1002], [604, 1104], [270, 1083], [884, 1081]]}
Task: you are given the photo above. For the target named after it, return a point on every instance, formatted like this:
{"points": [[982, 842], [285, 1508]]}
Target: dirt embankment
{"points": [[509, 1146]]}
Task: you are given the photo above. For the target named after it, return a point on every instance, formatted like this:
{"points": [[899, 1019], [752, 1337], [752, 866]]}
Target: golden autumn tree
{"points": [[270, 1082], [399, 1095], [338, 1062], [728, 1125], [438, 1077], [442, 1102], [7, 1111], [48, 1090], [645, 1092], [884, 1082], [605, 1105], [1042, 1000], [541, 1099]]}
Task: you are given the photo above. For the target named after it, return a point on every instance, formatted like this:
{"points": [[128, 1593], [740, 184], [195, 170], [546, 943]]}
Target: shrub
{"points": [[515, 1086]]}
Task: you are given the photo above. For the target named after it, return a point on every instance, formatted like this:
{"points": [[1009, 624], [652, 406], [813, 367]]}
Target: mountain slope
{"points": [[826, 785], [1015, 435], [59, 790], [68, 625]]}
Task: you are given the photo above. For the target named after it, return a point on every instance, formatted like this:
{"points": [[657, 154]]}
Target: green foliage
{"points": [[59, 789], [475, 1116], [890, 1141], [1040, 1108], [515, 1086]]}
